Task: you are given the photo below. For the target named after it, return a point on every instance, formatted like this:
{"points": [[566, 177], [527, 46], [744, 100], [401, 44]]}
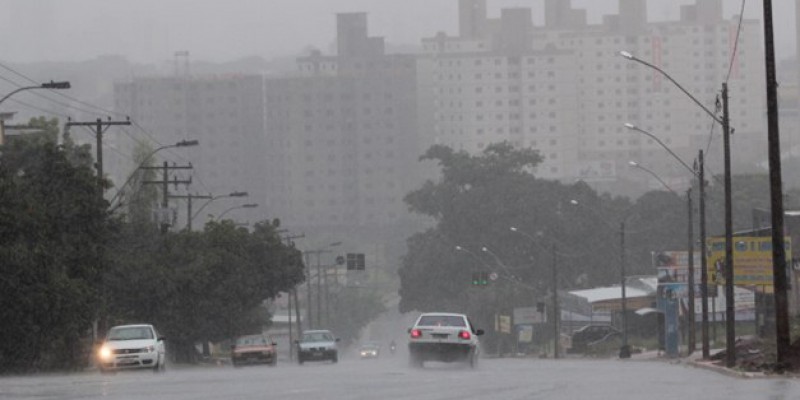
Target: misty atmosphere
{"points": [[358, 199]]}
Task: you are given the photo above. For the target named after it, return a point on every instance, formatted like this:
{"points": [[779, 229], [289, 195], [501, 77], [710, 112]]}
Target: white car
{"points": [[445, 337], [130, 347]]}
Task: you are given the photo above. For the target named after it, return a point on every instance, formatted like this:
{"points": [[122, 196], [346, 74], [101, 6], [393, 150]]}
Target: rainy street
{"points": [[391, 378]]}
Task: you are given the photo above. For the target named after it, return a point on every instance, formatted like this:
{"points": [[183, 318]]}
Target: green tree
{"points": [[53, 227], [202, 286], [479, 197]]}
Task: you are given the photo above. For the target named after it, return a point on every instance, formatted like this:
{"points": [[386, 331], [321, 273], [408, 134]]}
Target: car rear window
{"points": [[442, 320]]}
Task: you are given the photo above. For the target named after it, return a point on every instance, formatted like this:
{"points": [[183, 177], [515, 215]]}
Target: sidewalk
{"points": [[696, 360]]}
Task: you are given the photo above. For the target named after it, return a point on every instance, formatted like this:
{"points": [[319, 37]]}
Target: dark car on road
{"points": [[589, 334]]}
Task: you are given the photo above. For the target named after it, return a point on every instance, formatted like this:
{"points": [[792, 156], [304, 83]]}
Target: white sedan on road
{"points": [[132, 346], [445, 337]]}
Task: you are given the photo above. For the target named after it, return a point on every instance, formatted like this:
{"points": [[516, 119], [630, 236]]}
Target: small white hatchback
{"points": [[130, 347]]}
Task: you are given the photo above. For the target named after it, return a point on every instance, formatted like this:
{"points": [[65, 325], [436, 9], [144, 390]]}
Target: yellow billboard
{"points": [[752, 260]]}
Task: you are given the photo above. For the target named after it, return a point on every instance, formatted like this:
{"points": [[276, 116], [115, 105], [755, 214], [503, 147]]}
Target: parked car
{"points": [[445, 337], [369, 350], [590, 334], [131, 347], [317, 345], [254, 349]]}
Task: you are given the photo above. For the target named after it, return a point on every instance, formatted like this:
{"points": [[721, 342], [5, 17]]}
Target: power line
{"points": [[38, 94], [29, 79], [107, 146], [735, 43], [44, 110]]}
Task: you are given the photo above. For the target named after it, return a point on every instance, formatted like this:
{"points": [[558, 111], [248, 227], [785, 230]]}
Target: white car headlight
{"points": [[104, 353], [150, 348]]}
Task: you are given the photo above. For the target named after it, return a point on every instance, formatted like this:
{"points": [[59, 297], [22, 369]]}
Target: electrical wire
{"points": [[107, 146], [736, 43], [66, 96], [39, 94], [40, 109]]}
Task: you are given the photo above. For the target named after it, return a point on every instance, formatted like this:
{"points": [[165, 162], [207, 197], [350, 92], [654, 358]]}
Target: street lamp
{"points": [[556, 309], [625, 350], [47, 85], [730, 315], [634, 164], [698, 172], [654, 137], [182, 143], [222, 196], [236, 208]]}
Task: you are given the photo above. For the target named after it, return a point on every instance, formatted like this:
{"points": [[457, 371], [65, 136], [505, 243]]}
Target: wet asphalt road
{"points": [[391, 378]]}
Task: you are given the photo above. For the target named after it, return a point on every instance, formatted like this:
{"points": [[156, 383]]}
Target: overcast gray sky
{"points": [[151, 31]]}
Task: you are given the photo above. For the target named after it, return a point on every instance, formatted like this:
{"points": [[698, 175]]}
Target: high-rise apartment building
{"points": [[225, 114], [343, 134], [563, 89]]}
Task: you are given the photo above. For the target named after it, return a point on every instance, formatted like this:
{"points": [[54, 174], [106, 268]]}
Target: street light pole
{"points": [[236, 208], [730, 322], [182, 143], [46, 85], [556, 309], [690, 281], [634, 164], [193, 215], [703, 260], [625, 350]]}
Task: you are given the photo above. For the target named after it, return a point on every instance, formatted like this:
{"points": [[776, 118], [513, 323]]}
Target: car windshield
{"points": [[130, 333], [252, 341], [317, 337], [442, 320]]}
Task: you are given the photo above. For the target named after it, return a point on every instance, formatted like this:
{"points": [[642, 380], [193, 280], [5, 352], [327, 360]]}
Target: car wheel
{"points": [[335, 358], [300, 360], [157, 367], [274, 361], [473, 359]]}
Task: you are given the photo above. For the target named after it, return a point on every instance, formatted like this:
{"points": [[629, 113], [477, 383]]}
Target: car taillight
{"points": [[464, 335], [416, 333]]}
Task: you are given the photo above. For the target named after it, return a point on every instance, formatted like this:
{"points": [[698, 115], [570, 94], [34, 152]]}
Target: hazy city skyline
{"points": [[150, 31]]}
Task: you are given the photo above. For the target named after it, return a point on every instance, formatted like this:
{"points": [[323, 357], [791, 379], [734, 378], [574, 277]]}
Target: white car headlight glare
{"points": [[104, 353]]}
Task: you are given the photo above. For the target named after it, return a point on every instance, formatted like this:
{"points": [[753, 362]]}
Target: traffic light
{"points": [[480, 278]]}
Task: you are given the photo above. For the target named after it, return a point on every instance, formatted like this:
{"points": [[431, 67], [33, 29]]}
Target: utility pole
{"points": [[293, 298], [189, 197], [165, 187], [730, 311], [100, 127], [703, 261], [556, 311], [690, 282], [624, 351], [783, 338]]}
